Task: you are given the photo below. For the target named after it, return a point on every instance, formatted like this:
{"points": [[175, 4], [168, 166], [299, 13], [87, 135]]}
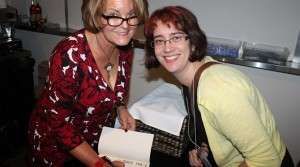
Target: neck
{"points": [[103, 45], [186, 77]]}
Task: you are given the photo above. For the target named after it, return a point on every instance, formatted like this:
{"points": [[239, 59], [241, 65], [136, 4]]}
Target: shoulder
{"points": [[220, 82], [71, 47], [223, 74], [74, 41]]}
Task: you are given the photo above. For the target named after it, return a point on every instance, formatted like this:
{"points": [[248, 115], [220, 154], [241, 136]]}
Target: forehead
{"points": [[119, 5], [164, 28]]}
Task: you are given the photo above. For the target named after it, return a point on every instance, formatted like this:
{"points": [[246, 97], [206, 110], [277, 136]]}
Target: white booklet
{"points": [[131, 147]]}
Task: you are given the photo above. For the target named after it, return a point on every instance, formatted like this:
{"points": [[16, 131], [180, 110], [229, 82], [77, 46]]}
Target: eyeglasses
{"points": [[158, 43], [115, 21]]}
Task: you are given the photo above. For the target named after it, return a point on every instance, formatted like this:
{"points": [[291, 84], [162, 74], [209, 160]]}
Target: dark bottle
{"points": [[32, 13], [38, 12]]}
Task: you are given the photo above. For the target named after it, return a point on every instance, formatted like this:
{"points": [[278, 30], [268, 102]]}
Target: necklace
{"points": [[108, 66]]}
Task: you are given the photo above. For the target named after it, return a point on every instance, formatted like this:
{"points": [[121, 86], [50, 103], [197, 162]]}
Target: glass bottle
{"points": [[32, 13], [38, 12]]}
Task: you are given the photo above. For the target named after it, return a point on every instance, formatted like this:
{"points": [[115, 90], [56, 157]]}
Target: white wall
{"points": [[274, 22], [40, 45]]}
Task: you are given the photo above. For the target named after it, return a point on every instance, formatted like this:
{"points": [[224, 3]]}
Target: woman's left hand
{"points": [[126, 120]]}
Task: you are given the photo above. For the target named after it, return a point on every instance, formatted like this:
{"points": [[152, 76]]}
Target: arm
{"points": [[242, 118], [85, 154]]}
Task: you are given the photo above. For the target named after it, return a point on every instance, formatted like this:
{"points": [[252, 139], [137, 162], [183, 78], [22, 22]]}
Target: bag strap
{"points": [[200, 70], [194, 88], [201, 132], [194, 107]]}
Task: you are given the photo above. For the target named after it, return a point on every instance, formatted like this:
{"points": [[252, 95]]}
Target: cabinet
{"points": [[16, 99]]}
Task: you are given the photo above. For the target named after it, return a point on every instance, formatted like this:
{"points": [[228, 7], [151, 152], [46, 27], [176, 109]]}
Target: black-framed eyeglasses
{"points": [[177, 39], [115, 21]]}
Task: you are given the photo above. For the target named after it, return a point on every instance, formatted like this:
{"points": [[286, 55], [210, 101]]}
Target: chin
{"points": [[123, 42]]}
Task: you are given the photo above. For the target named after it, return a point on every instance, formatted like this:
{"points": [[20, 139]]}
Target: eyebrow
{"points": [[172, 34], [117, 11]]}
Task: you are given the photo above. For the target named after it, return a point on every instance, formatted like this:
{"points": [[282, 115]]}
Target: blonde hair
{"points": [[91, 9]]}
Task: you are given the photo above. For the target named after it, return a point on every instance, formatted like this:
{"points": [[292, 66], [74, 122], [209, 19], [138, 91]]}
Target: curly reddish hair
{"points": [[182, 19]]}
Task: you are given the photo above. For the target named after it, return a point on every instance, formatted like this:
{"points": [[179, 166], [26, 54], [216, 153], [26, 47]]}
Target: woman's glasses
{"points": [[178, 39], [115, 21]]}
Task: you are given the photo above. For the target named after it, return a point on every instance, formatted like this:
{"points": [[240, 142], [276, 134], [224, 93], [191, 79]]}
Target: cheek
{"points": [[158, 56], [157, 53]]}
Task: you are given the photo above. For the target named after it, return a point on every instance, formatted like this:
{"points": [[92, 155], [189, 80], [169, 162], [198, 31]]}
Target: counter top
{"points": [[52, 31], [289, 68]]}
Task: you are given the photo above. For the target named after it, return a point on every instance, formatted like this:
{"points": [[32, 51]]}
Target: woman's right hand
{"points": [[194, 160], [116, 163]]}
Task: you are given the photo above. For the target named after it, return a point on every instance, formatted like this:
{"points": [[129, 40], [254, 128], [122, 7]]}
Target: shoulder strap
{"points": [[200, 70], [201, 132]]}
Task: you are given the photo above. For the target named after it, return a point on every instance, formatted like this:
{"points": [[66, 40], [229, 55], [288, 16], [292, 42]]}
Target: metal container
{"points": [[8, 18]]}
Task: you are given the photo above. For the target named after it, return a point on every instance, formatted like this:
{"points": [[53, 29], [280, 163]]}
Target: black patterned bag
{"points": [[165, 142]]}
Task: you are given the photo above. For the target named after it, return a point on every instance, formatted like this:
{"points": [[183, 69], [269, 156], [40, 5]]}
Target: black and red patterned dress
{"points": [[76, 102]]}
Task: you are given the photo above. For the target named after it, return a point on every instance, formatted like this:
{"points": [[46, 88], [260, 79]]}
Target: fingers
{"points": [[118, 164], [126, 120], [194, 160], [128, 124], [204, 148]]}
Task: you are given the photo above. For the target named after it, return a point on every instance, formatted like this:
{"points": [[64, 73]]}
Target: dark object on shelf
{"points": [[264, 57], [8, 17], [264, 53]]}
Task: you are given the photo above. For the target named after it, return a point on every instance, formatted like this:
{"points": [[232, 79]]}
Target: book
{"points": [[131, 147]]}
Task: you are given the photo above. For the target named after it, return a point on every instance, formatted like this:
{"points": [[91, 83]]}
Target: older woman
{"points": [[88, 80]]}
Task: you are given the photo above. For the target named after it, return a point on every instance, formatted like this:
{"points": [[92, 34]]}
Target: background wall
{"points": [[274, 22]]}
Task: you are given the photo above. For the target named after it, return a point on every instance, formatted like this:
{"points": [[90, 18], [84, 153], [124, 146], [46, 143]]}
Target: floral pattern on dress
{"points": [[76, 101]]}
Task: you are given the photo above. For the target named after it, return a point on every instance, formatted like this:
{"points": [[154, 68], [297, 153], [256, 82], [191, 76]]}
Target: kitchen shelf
{"points": [[288, 68], [52, 31]]}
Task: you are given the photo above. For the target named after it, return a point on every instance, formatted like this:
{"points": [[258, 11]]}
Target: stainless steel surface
{"points": [[288, 68]]}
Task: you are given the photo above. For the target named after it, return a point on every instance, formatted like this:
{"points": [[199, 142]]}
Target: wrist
{"points": [[119, 105], [100, 162]]}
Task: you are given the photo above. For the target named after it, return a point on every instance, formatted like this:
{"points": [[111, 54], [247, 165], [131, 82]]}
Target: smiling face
{"points": [[121, 34], [173, 56]]}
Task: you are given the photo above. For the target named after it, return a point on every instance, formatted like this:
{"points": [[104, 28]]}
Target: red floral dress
{"points": [[76, 101]]}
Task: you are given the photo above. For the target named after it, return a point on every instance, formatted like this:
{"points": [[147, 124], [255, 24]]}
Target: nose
{"points": [[168, 46], [124, 24]]}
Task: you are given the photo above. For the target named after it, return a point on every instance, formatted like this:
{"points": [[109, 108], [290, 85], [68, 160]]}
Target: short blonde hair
{"points": [[91, 9]]}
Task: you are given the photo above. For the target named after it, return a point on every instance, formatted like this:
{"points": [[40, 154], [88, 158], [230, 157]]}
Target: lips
{"points": [[123, 33], [170, 57]]}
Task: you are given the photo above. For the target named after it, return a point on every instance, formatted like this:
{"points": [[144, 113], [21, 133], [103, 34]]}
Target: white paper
{"points": [[162, 108], [131, 147]]}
